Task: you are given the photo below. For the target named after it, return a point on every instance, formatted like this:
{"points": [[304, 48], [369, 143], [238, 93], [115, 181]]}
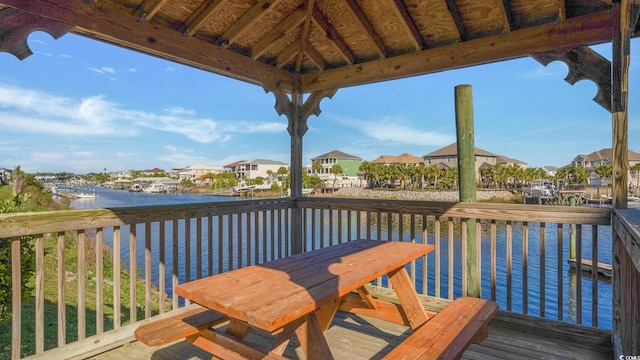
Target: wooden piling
{"points": [[467, 181]]}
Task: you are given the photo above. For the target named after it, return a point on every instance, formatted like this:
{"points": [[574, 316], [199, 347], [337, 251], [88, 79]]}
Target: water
{"points": [[108, 198]]}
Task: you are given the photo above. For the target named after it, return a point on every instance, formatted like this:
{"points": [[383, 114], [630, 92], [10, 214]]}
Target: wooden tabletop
{"points": [[271, 295]]}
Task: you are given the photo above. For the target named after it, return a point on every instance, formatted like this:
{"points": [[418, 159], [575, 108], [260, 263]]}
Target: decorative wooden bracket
{"points": [[287, 106], [584, 63], [18, 25]]}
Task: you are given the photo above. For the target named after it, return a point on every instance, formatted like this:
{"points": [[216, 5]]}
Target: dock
{"points": [[587, 266]]}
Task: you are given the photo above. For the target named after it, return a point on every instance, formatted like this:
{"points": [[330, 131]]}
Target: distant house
{"points": [[257, 168], [153, 172], [406, 159], [349, 163], [5, 174], [194, 173], [605, 157], [233, 166], [550, 170], [447, 157]]}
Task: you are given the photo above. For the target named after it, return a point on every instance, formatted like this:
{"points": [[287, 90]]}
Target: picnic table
{"points": [[299, 294]]}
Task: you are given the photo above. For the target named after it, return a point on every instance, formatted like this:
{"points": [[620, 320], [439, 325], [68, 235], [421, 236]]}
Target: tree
{"points": [[335, 170], [18, 203], [603, 171], [636, 168], [316, 167]]}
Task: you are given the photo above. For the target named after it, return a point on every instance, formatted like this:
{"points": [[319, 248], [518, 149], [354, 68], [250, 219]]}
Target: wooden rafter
{"points": [[505, 13], [562, 10], [292, 21], [315, 57], [287, 54], [305, 34], [245, 21], [149, 8], [595, 28], [333, 36], [457, 19], [195, 21], [367, 27], [408, 24]]}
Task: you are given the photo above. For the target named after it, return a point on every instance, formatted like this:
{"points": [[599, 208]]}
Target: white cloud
{"points": [[395, 130]]}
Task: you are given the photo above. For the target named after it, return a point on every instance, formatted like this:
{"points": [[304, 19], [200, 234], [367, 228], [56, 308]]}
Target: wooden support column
{"points": [[619, 100], [623, 330], [467, 181], [297, 111]]}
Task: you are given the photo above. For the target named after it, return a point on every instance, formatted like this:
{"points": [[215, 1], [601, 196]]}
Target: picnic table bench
{"points": [[300, 294]]}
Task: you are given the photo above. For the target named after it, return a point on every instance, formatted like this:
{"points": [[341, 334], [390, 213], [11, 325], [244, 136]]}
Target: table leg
{"points": [[238, 329], [312, 339], [409, 300]]}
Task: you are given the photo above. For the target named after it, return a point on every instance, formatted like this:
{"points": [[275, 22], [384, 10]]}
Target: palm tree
{"points": [[603, 171], [316, 167], [335, 170]]}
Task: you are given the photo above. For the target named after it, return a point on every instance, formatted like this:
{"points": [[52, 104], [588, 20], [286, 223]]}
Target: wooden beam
{"points": [[333, 36], [124, 30], [457, 19], [149, 8], [316, 57], [245, 21], [292, 21], [367, 27], [198, 17], [287, 54], [585, 30], [408, 24]]}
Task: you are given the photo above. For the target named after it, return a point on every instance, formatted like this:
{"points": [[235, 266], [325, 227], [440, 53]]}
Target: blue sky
{"points": [[81, 106]]}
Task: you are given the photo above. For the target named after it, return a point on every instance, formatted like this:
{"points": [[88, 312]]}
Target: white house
{"points": [[257, 168], [195, 172]]}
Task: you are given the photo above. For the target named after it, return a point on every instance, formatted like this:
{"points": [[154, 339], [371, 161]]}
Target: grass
{"points": [[71, 257]]}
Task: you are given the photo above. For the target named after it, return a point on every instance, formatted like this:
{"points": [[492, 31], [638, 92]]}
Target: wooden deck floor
{"points": [[357, 337]]}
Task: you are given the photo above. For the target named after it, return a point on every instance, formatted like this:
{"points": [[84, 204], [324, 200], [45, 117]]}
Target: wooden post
{"points": [[621, 23], [297, 112], [467, 181]]}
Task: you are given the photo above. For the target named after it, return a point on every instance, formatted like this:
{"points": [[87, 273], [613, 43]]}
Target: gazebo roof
{"points": [[323, 44]]}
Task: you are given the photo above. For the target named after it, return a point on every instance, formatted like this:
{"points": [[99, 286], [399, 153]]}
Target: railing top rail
{"points": [[627, 227], [20, 224], [488, 211]]}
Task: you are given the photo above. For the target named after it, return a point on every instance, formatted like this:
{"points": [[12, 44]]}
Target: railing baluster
{"points": [[117, 282], [543, 262], [339, 226], [493, 260], [509, 265], [450, 255], [248, 232], [463, 259], [80, 280], [331, 229], [525, 268], [62, 309], [425, 263], [436, 237], [210, 245], [256, 236], [39, 288], [579, 274], [265, 243], [162, 270], [175, 271], [272, 235], [560, 272], [99, 281], [187, 249], [239, 240], [229, 242], [16, 298], [594, 275], [199, 247], [147, 270], [133, 314]]}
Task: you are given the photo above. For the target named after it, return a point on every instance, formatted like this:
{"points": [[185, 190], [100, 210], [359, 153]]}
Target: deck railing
{"points": [[525, 248], [626, 285]]}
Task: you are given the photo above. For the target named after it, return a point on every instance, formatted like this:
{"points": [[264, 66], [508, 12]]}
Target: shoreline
{"points": [[426, 195]]}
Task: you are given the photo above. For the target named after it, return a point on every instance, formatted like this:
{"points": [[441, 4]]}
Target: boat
{"points": [[242, 188], [82, 195], [540, 188], [155, 188], [136, 188]]}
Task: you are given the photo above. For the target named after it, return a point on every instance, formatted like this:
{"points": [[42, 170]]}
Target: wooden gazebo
{"points": [[305, 50]]}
